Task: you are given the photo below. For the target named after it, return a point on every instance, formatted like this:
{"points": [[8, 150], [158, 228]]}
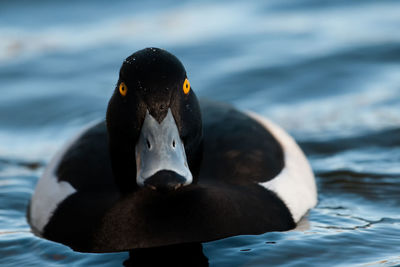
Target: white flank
{"points": [[295, 184], [49, 192]]}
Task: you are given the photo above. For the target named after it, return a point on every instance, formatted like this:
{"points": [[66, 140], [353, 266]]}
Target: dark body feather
{"points": [[227, 200]]}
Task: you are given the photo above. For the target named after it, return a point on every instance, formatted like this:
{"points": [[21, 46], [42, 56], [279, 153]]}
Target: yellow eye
{"points": [[186, 86], [123, 89]]}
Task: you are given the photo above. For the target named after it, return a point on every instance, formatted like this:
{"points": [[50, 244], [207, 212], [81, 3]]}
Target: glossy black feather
{"points": [[226, 201]]}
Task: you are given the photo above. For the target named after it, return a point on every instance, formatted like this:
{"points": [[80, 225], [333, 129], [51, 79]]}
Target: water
{"points": [[327, 71]]}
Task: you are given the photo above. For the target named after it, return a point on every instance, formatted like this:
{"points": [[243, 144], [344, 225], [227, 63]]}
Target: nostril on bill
{"points": [[148, 144]]}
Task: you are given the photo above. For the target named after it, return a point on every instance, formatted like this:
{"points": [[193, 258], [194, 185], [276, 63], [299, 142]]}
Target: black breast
{"points": [[238, 153]]}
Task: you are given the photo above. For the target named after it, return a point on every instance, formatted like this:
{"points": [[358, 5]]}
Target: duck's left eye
{"points": [[123, 89], [186, 86]]}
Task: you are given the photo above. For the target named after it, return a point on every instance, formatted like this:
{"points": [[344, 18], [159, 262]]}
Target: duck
{"points": [[166, 168]]}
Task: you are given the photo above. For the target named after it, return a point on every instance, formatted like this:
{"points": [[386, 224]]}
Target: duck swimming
{"points": [[165, 168]]}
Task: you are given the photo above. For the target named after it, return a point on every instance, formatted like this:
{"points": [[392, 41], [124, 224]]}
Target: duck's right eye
{"points": [[123, 89]]}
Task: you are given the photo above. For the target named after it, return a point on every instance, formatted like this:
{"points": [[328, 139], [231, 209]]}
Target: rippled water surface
{"points": [[326, 71]]}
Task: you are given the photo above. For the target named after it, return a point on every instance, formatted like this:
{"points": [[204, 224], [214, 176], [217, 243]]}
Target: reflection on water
{"points": [[327, 73], [177, 255]]}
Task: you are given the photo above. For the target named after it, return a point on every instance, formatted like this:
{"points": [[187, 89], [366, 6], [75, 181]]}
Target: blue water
{"points": [[326, 71]]}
